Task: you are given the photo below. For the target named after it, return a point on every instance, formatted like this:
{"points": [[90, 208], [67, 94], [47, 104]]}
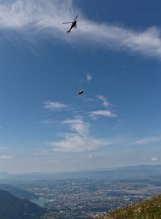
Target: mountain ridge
{"points": [[113, 173]]}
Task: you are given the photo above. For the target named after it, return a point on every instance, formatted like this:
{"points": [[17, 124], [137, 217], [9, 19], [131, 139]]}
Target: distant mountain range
{"points": [[12, 207], [148, 209], [130, 172]]}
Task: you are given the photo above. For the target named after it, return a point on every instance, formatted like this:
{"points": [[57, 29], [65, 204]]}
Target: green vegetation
{"points": [[148, 209]]}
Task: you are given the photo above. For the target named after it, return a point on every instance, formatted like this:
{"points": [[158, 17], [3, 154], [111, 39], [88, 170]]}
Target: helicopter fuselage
{"points": [[74, 25]]}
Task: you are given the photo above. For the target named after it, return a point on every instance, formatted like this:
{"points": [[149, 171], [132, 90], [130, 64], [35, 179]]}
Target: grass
{"points": [[148, 209]]}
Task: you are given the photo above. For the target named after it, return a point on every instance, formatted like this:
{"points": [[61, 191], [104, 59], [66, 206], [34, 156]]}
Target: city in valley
{"points": [[85, 195]]}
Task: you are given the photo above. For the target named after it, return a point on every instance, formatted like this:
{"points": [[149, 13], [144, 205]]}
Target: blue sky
{"points": [[114, 56]]}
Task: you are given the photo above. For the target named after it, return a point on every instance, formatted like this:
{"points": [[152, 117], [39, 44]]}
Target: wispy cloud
{"points": [[146, 42], [40, 152], [50, 105], [102, 113], [78, 139], [5, 157], [154, 159], [148, 140], [104, 100], [78, 125], [89, 77], [20, 14], [43, 18]]}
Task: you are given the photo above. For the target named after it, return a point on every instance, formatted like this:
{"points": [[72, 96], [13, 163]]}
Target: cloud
{"points": [[21, 14], [35, 19], [102, 113], [78, 139], [147, 42], [77, 143], [41, 152], [78, 126], [154, 159], [104, 100], [148, 140], [5, 157], [89, 77], [50, 105]]}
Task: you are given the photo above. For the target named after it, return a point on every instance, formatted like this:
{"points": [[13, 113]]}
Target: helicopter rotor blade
{"points": [[75, 17], [67, 22]]}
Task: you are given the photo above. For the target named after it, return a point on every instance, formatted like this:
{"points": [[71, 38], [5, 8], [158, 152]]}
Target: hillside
{"points": [[19, 193], [12, 207], [148, 209]]}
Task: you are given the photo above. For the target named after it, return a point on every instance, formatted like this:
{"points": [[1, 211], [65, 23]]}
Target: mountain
{"points": [[19, 193], [12, 207], [111, 173], [148, 209], [129, 172]]}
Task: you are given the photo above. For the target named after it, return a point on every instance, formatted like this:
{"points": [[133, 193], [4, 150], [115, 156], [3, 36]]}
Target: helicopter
{"points": [[80, 92], [73, 24]]}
